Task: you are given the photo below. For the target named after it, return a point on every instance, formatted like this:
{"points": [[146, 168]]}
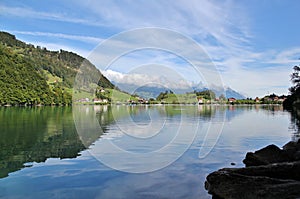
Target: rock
{"points": [[290, 146], [268, 155], [297, 155], [236, 184], [270, 172]]}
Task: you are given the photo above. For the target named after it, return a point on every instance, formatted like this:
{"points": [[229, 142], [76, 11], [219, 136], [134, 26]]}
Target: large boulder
{"points": [[269, 173], [268, 155], [273, 154], [255, 182]]}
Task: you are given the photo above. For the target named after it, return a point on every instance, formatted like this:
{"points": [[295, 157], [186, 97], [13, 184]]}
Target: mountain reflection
{"points": [[35, 134]]}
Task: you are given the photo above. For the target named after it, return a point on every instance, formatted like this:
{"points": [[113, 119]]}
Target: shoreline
{"points": [[149, 104], [140, 104]]}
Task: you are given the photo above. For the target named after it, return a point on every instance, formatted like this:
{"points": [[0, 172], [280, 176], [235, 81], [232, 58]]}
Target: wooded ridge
{"points": [[32, 75]]}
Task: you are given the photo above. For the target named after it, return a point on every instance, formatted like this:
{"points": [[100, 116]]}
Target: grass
{"points": [[115, 95], [118, 96], [51, 78], [189, 98], [82, 94]]}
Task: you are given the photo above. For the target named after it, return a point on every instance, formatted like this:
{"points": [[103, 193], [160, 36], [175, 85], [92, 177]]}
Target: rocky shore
{"points": [[270, 172]]}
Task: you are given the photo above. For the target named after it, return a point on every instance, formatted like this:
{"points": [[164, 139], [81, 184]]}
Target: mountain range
{"points": [[152, 91], [32, 75]]}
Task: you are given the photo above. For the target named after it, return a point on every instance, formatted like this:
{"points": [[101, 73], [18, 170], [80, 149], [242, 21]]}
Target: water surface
{"points": [[42, 155]]}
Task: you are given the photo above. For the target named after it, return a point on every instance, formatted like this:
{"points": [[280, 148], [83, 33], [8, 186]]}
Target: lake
{"points": [[129, 151]]}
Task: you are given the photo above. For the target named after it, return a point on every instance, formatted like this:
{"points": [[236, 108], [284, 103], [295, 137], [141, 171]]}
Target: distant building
{"points": [[200, 101], [84, 100], [231, 100], [274, 98], [97, 100], [282, 99], [140, 100], [105, 101], [257, 100], [100, 101]]}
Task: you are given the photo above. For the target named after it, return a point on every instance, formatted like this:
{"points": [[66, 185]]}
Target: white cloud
{"points": [[221, 27], [181, 61], [242, 74], [259, 73], [206, 19], [30, 13], [138, 78], [290, 56]]}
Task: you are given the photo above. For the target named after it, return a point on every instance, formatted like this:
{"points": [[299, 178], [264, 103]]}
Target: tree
{"points": [[222, 97], [293, 99], [295, 78], [26, 71], [207, 94]]}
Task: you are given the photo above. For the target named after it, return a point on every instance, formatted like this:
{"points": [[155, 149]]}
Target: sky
{"points": [[253, 45]]}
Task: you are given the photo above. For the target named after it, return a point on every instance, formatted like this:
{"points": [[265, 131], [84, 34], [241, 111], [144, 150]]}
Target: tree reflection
{"points": [[295, 124], [35, 134]]}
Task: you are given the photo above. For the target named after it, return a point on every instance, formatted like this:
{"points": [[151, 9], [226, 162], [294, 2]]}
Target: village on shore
{"points": [[168, 97]]}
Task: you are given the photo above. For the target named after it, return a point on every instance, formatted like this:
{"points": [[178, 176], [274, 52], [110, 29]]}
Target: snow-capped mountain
{"points": [[152, 91]]}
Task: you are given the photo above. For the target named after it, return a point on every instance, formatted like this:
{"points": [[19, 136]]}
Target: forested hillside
{"points": [[34, 75]]}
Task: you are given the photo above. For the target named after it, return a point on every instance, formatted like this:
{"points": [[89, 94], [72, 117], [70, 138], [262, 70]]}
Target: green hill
{"points": [[168, 97], [34, 75]]}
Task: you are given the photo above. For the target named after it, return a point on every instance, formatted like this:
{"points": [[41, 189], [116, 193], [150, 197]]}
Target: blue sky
{"points": [[254, 44]]}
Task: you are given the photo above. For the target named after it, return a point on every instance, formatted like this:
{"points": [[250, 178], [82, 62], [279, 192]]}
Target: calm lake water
{"points": [[165, 151]]}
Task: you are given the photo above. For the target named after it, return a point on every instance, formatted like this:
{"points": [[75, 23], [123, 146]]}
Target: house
{"points": [[257, 100], [84, 100], [105, 101], [281, 99], [200, 101], [97, 100], [140, 100], [100, 101], [231, 100]]}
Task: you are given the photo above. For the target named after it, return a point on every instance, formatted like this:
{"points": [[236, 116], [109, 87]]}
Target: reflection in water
{"points": [[35, 134], [295, 124], [145, 137], [142, 121]]}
